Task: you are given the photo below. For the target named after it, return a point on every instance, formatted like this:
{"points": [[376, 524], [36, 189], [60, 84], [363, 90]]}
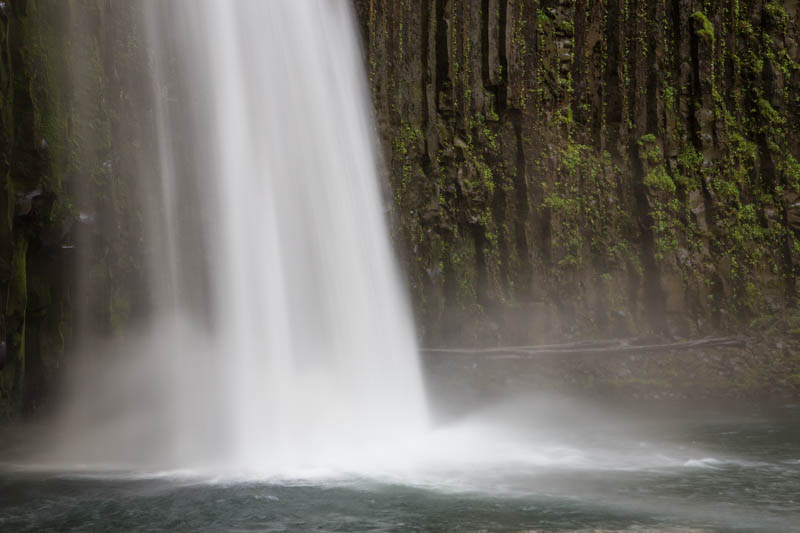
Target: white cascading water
{"points": [[311, 361], [319, 348]]}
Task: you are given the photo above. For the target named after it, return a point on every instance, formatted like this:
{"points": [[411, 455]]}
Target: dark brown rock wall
{"points": [[72, 85], [590, 168]]}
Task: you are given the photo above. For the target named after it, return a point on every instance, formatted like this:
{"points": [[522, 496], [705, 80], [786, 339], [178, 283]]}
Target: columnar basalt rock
{"points": [[583, 167]]}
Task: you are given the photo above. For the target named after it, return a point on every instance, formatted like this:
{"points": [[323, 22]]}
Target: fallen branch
{"points": [[588, 347]]}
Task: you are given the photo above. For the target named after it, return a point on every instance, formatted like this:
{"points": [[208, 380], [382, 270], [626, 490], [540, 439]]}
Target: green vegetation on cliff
{"points": [[585, 167]]}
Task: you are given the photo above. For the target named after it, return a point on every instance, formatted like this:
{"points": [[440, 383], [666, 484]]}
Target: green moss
{"points": [[742, 148], [566, 27], [706, 29], [664, 210], [791, 169], [491, 138], [669, 98], [573, 157], [561, 203], [542, 18], [690, 165], [660, 180], [776, 14], [768, 112]]}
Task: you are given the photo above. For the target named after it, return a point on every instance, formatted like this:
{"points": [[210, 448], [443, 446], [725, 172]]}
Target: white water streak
{"points": [[310, 359]]}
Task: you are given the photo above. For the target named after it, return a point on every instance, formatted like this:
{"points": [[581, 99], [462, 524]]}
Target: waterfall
{"points": [[280, 339]]}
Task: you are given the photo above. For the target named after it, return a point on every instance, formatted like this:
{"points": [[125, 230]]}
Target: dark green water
{"points": [[703, 469]]}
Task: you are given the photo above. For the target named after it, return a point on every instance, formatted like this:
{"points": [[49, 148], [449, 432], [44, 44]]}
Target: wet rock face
{"points": [[70, 82], [623, 167]]}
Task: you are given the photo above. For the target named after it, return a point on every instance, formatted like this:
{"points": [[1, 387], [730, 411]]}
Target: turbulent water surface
{"points": [[708, 470]]}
